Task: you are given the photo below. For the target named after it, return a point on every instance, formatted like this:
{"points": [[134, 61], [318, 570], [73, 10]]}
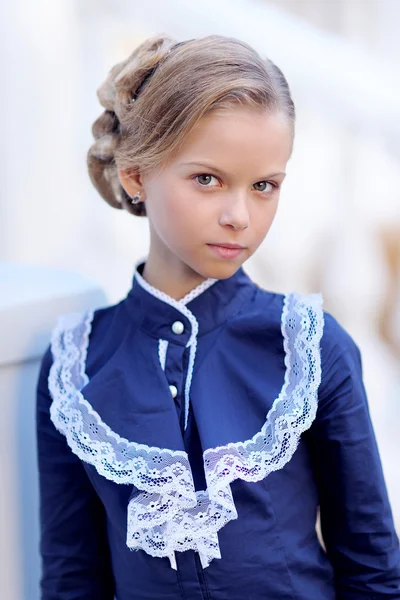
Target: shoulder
{"points": [[337, 345], [316, 340], [336, 339], [293, 311], [93, 323], [341, 361], [273, 303], [82, 332], [80, 346], [302, 320]]}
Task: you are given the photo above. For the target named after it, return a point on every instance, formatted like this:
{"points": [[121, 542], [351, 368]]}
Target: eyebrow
{"points": [[216, 170]]}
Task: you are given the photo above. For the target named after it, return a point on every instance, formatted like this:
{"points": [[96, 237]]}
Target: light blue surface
{"points": [[23, 284], [31, 298]]}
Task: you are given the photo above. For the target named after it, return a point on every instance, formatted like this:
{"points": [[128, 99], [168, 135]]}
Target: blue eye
{"points": [[204, 179], [263, 185]]}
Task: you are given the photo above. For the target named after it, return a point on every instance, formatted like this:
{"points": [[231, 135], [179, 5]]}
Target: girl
{"points": [[189, 434]]}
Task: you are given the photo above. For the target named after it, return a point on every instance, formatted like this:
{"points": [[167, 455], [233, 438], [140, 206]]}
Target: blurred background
{"points": [[338, 225]]}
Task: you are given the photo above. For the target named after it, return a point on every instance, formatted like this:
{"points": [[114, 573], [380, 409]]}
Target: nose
{"points": [[235, 213]]}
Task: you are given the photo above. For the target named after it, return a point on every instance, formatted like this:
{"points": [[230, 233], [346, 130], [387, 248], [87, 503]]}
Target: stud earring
{"points": [[136, 198]]}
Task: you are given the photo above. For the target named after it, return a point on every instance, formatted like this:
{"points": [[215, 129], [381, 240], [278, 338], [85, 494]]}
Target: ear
{"points": [[132, 182]]}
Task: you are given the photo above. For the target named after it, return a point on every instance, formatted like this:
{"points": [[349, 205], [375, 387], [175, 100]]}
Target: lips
{"points": [[234, 246], [227, 251]]}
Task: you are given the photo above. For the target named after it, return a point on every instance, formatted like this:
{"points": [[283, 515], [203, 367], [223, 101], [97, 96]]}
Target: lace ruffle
{"points": [[167, 514], [116, 458], [291, 413]]}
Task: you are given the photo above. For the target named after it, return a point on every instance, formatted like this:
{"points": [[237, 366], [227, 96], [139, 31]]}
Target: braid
{"points": [[117, 95]]}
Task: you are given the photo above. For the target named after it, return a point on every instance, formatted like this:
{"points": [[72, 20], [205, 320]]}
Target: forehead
{"points": [[239, 138]]}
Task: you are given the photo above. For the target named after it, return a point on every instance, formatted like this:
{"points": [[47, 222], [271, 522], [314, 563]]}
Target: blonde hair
{"points": [[158, 94]]}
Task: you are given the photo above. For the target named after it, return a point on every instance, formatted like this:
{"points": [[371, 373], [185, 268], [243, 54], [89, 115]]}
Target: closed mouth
{"points": [[230, 246]]}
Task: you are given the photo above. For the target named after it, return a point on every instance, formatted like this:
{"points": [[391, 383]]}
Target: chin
{"points": [[219, 269]]}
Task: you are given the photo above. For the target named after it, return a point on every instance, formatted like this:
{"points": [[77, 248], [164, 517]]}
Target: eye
{"points": [[262, 186], [204, 179]]}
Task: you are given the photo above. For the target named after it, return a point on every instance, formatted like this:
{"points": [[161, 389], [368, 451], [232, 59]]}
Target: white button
{"points": [[173, 390], [178, 327]]}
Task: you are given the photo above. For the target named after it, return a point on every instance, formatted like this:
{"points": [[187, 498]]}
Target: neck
{"points": [[172, 277]]}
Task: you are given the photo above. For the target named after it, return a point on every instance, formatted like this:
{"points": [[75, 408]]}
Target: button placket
{"points": [[175, 374], [177, 328]]}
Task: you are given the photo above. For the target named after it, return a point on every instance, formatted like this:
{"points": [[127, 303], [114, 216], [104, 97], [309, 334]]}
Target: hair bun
{"points": [[125, 78]]}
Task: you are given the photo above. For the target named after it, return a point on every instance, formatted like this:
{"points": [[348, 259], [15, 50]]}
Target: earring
{"points": [[135, 199]]}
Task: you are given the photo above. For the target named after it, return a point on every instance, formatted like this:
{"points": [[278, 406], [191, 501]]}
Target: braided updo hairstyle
{"points": [[158, 94]]}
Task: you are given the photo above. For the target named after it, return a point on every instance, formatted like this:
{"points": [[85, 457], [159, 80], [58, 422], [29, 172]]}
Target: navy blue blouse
{"points": [[186, 447]]}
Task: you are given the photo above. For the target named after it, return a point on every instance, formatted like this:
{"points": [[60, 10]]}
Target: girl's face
{"points": [[214, 202]]}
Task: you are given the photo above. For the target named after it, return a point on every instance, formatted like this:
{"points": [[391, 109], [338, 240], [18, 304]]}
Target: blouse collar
{"points": [[203, 309]]}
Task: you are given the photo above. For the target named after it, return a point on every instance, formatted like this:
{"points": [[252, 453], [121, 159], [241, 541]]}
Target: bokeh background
{"points": [[338, 225]]}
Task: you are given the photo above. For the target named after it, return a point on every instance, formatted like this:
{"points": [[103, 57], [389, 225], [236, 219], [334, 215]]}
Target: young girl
{"points": [[189, 434]]}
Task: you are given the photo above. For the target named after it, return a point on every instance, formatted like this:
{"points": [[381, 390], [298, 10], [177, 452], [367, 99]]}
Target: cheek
{"points": [[186, 211], [263, 217], [172, 215]]}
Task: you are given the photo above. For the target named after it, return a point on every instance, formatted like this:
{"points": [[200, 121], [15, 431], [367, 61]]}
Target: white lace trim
{"points": [[115, 457], [167, 514], [291, 413]]}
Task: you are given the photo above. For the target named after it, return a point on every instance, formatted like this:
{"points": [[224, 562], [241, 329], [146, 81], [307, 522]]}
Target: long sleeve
{"points": [[74, 548], [356, 518]]}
